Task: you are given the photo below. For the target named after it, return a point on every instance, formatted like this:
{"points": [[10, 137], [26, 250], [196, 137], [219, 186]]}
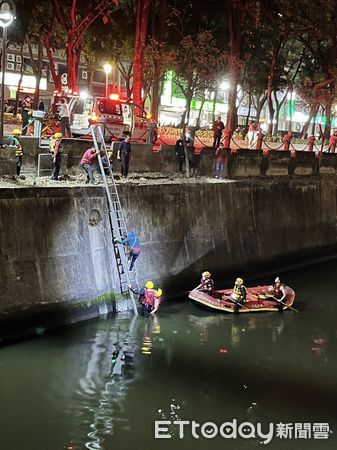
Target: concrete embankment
{"points": [[56, 260]]}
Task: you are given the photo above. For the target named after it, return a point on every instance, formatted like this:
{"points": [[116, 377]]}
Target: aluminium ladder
{"points": [[116, 219]]}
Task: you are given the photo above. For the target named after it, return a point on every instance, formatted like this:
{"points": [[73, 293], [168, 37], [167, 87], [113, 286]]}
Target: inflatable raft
{"points": [[258, 299]]}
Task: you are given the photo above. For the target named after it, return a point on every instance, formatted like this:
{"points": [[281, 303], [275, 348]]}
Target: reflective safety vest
{"points": [[14, 142], [207, 283], [237, 294], [277, 292], [53, 144]]}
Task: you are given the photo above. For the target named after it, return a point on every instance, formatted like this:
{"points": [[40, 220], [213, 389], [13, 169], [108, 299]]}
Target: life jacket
{"points": [[277, 293], [237, 294], [207, 283], [149, 297]]}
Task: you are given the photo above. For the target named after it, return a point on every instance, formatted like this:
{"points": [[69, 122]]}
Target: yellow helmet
{"points": [[206, 274], [159, 292], [149, 285], [16, 132], [239, 281], [58, 135]]}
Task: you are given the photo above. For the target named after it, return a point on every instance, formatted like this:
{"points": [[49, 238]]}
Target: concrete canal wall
{"points": [[56, 263]]}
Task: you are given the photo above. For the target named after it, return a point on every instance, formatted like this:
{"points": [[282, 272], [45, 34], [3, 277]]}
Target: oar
{"points": [[236, 303], [288, 306]]}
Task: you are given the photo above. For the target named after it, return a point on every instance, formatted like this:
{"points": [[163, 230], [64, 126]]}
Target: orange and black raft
{"points": [[259, 299]]}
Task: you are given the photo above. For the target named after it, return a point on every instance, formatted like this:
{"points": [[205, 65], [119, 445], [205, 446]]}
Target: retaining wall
{"points": [[56, 263]]}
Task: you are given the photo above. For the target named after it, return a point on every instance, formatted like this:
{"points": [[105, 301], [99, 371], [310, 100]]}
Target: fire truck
{"points": [[119, 117]]}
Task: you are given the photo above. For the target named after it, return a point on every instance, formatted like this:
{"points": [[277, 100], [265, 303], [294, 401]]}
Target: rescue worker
{"points": [[157, 301], [88, 164], [26, 110], [14, 142], [278, 292], [239, 293], [206, 283], [55, 148], [132, 241], [147, 298]]}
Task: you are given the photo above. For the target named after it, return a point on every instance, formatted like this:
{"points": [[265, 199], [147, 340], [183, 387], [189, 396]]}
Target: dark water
{"points": [[187, 364]]}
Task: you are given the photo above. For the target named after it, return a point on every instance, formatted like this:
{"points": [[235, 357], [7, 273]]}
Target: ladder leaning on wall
{"points": [[116, 219]]}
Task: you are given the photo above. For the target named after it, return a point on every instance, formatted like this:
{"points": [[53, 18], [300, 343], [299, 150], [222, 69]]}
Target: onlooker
{"points": [[180, 153], [55, 150], [14, 142], [125, 151], [64, 118], [221, 158], [41, 106], [251, 134], [87, 163], [26, 110], [218, 127]]}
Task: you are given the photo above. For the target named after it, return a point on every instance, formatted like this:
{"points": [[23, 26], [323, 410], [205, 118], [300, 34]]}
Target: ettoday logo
{"points": [[244, 430]]}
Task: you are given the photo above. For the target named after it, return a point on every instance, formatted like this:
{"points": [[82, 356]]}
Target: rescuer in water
{"points": [[206, 283], [278, 292], [14, 142], [149, 298], [132, 241]]}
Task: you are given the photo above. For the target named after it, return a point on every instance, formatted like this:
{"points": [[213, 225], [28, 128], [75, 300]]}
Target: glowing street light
{"points": [[107, 69], [7, 15]]}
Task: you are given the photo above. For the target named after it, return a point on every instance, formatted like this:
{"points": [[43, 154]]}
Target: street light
{"points": [[107, 69], [7, 15]]}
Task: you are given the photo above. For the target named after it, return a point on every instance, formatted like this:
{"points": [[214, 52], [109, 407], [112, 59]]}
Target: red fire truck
{"points": [[118, 116]]}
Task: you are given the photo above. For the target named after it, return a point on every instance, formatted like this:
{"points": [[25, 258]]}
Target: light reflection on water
{"points": [[101, 385]]}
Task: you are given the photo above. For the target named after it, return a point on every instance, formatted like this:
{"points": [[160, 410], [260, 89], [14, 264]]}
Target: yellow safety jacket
{"points": [[18, 147], [237, 293]]}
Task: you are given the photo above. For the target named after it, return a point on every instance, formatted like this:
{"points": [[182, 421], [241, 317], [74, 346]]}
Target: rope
{"points": [[235, 143], [161, 140], [298, 150], [139, 137], [203, 143], [271, 148]]}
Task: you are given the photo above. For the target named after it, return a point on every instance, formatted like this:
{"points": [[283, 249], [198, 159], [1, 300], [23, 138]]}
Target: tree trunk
{"points": [[312, 114], [249, 109], [327, 129], [56, 77], [142, 17], [187, 160], [158, 74], [200, 112], [235, 39], [271, 75]]}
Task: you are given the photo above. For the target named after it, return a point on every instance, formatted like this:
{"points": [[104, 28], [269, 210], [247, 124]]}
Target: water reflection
{"points": [[109, 371]]}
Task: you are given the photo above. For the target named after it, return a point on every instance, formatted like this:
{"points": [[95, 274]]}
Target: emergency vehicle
{"points": [[118, 116]]}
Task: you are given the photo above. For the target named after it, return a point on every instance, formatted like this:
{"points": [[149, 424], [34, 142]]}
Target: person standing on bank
{"points": [[125, 151], [14, 142], [221, 158], [56, 151], [218, 127], [65, 118], [180, 153], [26, 111]]}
